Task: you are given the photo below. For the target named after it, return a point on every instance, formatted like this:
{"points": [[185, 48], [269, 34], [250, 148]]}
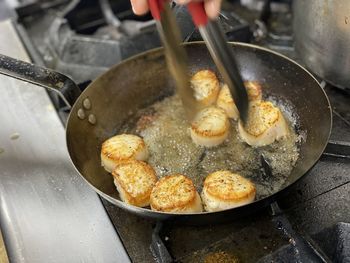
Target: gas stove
{"points": [[310, 224]]}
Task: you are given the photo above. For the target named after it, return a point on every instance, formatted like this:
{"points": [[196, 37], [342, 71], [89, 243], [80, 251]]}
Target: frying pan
{"points": [[139, 81]]}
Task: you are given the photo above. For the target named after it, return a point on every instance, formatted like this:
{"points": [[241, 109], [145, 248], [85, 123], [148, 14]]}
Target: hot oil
{"points": [[166, 133]]}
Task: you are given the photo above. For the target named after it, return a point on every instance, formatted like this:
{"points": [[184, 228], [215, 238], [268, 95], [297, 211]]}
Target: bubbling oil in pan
{"points": [[165, 130]]}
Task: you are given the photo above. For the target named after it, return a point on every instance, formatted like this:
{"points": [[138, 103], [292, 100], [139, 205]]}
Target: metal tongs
{"points": [[217, 45]]}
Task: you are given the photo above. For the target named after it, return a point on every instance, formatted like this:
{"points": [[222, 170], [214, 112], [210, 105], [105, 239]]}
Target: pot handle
{"points": [[47, 78]]}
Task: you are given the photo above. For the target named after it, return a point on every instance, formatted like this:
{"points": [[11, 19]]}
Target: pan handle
{"points": [[47, 78]]}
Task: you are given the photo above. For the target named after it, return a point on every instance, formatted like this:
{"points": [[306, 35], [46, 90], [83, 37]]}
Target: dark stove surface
{"points": [[314, 206], [62, 37], [248, 239]]}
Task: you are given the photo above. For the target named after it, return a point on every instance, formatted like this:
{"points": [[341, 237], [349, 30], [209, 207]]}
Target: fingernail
{"points": [[212, 8], [182, 2], [133, 4], [139, 7]]}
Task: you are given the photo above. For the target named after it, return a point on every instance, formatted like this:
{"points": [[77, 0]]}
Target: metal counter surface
{"points": [[47, 212]]}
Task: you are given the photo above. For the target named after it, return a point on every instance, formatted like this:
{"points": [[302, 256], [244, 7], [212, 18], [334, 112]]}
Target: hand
{"points": [[212, 7]]}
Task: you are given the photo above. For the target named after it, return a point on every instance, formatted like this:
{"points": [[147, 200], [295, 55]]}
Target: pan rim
{"points": [[166, 215]]}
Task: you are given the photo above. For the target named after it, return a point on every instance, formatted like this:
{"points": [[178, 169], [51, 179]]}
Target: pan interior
{"points": [[165, 130], [138, 82]]}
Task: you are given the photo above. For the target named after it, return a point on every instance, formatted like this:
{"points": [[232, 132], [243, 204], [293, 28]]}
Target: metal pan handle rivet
{"points": [[87, 104], [92, 119], [81, 114], [14, 136]]}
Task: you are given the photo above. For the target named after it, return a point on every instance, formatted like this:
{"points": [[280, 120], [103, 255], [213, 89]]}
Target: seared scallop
{"points": [[206, 87], [210, 127], [226, 102], [134, 181], [175, 194], [254, 90], [265, 124], [120, 148], [224, 190]]}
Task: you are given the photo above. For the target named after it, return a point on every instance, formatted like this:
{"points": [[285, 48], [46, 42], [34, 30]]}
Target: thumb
{"points": [[212, 8], [139, 7]]}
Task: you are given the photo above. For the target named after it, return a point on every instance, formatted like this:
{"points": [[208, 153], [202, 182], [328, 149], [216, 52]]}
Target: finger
{"points": [[139, 7], [182, 2], [212, 8]]}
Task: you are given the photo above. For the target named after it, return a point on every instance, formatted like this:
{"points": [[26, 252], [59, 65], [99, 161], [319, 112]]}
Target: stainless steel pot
{"points": [[322, 38]]}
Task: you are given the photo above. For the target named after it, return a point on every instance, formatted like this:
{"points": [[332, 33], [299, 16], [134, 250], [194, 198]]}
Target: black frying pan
{"points": [[141, 80]]}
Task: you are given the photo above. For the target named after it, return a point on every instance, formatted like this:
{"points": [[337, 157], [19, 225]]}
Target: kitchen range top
{"points": [[309, 224]]}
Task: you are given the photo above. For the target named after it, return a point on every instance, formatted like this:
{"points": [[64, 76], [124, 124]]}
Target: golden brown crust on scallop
{"points": [[206, 86], [122, 147], [211, 122], [136, 180], [227, 186], [226, 103], [225, 95], [173, 193], [261, 116], [254, 90]]}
